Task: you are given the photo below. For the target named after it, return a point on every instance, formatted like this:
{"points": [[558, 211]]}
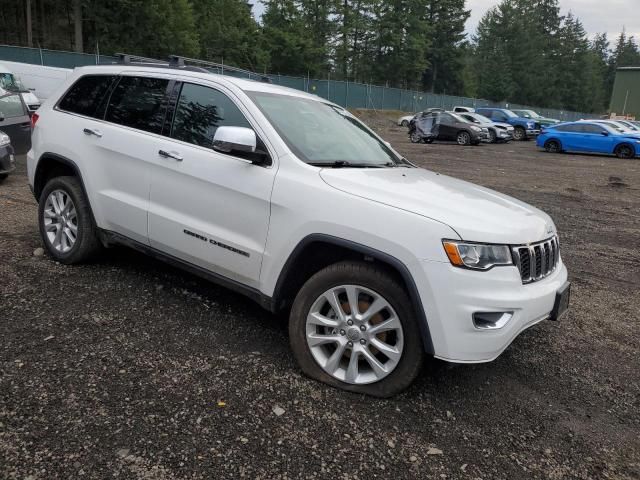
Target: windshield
{"points": [[323, 134], [509, 113], [528, 113], [458, 118], [9, 82]]}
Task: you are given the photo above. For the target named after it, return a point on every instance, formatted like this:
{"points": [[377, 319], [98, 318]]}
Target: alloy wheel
{"points": [[464, 138], [60, 221], [354, 334]]}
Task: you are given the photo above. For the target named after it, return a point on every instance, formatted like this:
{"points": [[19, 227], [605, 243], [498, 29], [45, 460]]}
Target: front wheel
{"points": [[405, 123], [463, 138], [352, 326], [492, 136], [625, 151], [519, 134], [4, 176], [66, 225]]}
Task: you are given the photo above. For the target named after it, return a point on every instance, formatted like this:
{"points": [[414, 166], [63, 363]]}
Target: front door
{"points": [[209, 208]]}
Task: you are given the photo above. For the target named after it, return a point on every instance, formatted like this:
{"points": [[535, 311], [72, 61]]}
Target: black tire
{"points": [[3, 176], [553, 146], [463, 138], [375, 279], [415, 137], [87, 243], [493, 138], [519, 134], [405, 123], [625, 151]]}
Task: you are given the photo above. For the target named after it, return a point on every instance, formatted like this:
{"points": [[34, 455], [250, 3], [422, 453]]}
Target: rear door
{"points": [[15, 122], [114, 125], [209, 208]]}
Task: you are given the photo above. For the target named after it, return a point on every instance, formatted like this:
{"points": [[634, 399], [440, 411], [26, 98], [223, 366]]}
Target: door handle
{"points": [[176, 156], [92, 131]]}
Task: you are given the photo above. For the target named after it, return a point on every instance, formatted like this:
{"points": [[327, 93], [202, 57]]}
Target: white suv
{"points": [[289, 199]]}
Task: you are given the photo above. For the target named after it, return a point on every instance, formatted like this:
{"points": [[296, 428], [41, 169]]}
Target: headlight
{"points": [[531, 124], [4, 139], [476, 255], [476, 129]]}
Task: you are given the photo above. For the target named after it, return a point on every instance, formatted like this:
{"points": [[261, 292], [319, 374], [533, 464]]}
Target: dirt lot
{"points": [[127, 368]]}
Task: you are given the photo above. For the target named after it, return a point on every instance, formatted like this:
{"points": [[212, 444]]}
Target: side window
{"points": [[499, 116], [594, 129], [11, 106], [199, 113], [139, 102], [85, 95]]}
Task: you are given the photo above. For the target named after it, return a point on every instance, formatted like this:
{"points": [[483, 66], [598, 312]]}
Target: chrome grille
{"points": [[537, 260]]}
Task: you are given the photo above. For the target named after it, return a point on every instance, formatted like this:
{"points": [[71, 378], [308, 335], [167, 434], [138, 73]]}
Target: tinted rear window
{"points": [[85, 95], [139, 102]]}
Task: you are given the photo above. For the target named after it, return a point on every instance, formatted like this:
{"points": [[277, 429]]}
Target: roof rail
{"points": [[182, 63]]}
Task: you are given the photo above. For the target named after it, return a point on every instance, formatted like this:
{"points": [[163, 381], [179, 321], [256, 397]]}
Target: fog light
{"points": [[491, 320]]}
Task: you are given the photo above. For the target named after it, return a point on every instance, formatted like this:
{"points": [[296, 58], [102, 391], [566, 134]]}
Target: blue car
{"points": [[523, 128], [589, 137]]}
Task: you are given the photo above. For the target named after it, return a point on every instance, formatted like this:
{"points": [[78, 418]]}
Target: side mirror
{"points": [[605, 133], [241, 142], [234, 139]]}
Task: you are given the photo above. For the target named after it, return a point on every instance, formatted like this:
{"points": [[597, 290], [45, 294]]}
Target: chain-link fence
{"points": [[347, 94]]}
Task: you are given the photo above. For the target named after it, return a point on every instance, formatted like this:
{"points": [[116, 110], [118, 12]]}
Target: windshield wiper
{"points": [[345, 164]]}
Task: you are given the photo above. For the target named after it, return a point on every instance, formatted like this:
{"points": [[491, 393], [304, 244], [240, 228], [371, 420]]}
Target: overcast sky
{"points": [[596, 15]]}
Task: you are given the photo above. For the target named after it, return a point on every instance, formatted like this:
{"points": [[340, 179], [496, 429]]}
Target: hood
{"points": [[475, 213], [503, 125], [524, 120]]}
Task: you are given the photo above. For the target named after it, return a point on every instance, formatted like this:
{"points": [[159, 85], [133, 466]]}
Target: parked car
{"points": [[630, 126], [532, 115], [7, 158], [464, 109], [615, 124], [15, 122], [404, 121], [523, 128], [378, 263], [439, 125], [10, 83], [592, 137], [498, 131]]}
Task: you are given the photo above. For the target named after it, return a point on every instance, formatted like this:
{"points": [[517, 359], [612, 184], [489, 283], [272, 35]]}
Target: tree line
{"points": [[524, 51]]}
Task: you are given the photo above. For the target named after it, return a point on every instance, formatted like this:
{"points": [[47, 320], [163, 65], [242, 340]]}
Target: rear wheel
{"points": [[3, 176], [625, 151], [553, 146], [352, 326], [463, 138], [519, 134], [66, 225], [415, 137], [405, 123]]}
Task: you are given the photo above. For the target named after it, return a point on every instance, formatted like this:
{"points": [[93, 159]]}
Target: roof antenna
{"points": [[176, 61]]}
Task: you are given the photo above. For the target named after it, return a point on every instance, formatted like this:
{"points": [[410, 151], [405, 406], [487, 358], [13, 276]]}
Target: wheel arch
{"points": [[316, 251], [52, 165], [627, 144]]}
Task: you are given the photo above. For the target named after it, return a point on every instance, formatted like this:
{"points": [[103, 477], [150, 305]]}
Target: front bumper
{"points": [[533, 132], [452, 295], [7, 160]]}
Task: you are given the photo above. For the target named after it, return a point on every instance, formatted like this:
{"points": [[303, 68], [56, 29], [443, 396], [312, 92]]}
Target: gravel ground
{"points": [[128, 368]]}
